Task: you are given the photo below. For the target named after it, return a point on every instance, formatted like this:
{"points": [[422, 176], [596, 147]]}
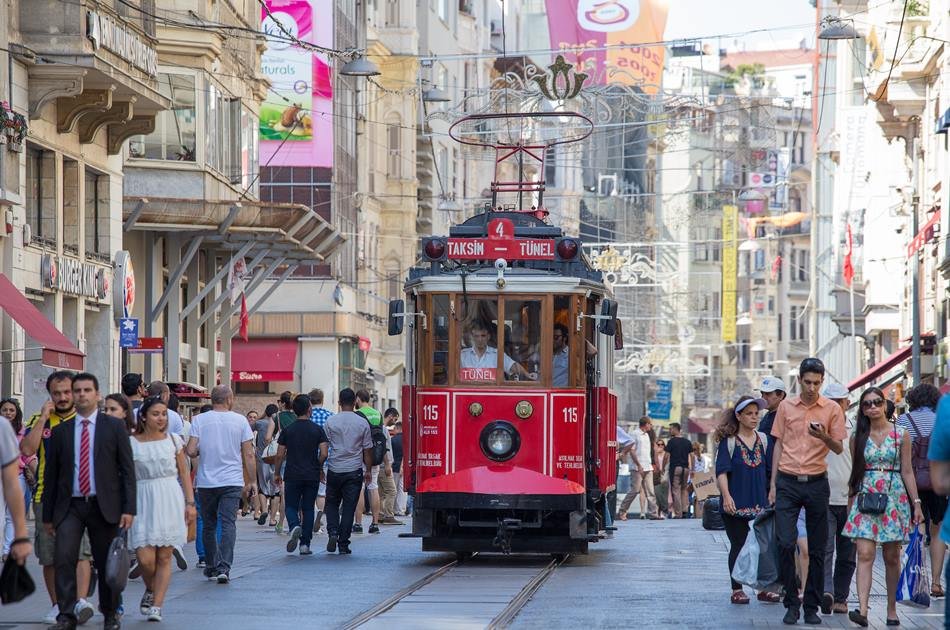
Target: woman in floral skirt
{"points": [[881, 464]]}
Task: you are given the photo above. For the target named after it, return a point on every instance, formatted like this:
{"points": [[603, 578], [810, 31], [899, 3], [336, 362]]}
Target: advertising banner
{"points": [[628, 29], [296, 117], [730, 216]]}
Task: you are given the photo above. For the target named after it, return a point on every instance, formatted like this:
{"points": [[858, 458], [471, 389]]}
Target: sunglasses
{"points": [[874, 402]]}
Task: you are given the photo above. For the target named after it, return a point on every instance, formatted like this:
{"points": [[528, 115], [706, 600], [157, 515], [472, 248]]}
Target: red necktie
{"points": [[84, 486]]}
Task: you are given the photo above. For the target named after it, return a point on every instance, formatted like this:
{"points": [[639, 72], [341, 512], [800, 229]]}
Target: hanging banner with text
{"points": [[628, 29], [730, 220]]}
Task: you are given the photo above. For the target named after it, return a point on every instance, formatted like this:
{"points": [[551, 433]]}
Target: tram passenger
{"points": [[481, 359], [562, 357]]}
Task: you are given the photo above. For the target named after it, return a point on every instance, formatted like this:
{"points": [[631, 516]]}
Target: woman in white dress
{"points": [[162, 511]]}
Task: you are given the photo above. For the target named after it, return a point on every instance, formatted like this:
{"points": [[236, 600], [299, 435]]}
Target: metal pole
{"points": [[915, 261]]}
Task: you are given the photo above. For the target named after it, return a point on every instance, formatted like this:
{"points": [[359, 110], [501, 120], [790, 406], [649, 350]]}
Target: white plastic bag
{"points": [[746, 570]]}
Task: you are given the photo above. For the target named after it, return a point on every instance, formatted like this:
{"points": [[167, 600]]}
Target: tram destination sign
{"points": [[490, 248]]}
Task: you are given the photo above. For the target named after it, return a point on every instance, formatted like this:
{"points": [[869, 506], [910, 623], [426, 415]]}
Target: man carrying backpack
{"points": [[378, 434], [919, 422]]}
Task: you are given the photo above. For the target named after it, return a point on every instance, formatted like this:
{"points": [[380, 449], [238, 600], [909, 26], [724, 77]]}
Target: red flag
{"points": [[245, 318], [776, 267], [848, 271]]}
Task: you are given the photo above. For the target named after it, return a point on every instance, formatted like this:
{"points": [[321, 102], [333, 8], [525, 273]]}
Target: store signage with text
{"points": [[75, 277], [105, 32]]}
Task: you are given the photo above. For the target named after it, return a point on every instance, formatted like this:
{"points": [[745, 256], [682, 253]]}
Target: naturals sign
{"points": [[75, 277], [616, 37]]}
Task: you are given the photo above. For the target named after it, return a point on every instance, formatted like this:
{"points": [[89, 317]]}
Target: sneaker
{"points": [[211, 573], [223, 578], [305, 550], [180, 559], [201, 564], [51, 616], [84, 611], [390, 520], [136, 571], [791, 616], [294, 539], [119, 610], [357, 529], [154, 613], [148, 599], [374, 529], [812, 618], [331, 544], [345, 549], [827, 602]]}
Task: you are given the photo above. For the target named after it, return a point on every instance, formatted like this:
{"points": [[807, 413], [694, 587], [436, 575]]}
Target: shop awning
{"points": [[263, 360], [57, 351], [703, 420], [881, 368]]}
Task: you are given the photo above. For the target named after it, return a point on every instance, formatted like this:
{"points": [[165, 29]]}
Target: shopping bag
{"points": [[704, 485], [764, 528], [746, 569], [118, 561], [15, 582], [913, 586]]}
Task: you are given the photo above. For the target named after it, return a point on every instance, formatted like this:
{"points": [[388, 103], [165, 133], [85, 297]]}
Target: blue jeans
{"points": [[219, 507], [299, 497], [199, 542], [342, 488]]}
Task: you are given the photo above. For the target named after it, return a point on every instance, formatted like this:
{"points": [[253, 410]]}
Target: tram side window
{"points": [[522, 336], [478, 360], [440, 339], [561, 355]]}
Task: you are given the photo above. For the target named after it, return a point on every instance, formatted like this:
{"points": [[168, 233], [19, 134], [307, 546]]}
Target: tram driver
{"points": [[480, 361]]}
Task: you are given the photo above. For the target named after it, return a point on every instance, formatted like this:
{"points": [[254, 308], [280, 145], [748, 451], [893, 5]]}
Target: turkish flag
{"points": [[245, 318], [776, 267], [848, 271]]}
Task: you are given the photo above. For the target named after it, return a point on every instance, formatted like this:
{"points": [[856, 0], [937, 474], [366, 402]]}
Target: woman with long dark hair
{"points": [[741, 462], [119, 406], [26, 468], [881, 464]]}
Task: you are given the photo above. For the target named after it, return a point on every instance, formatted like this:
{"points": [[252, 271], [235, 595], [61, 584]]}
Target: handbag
{"points": [[118, 561], [270, 452], [15, 582], [874, 503]]}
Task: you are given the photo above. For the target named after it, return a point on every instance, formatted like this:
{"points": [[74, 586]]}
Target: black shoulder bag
{"points": [[874, 503]]}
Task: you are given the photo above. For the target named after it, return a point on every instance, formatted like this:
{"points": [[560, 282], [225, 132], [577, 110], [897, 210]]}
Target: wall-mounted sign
{"points": [[123, 288], [75, 277], [106, 32]]}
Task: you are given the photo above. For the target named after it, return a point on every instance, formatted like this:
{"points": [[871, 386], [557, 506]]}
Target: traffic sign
{"points": [[128, 332], [149, 345]]}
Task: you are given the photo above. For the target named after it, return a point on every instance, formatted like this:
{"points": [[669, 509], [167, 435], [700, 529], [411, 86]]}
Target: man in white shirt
{"points": [[642, 481], [226, 467], [838, 574], [481, 360], [175, 424]]}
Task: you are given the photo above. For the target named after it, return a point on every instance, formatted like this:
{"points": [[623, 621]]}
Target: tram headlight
{"points": [[434, 249], [500, 441]]}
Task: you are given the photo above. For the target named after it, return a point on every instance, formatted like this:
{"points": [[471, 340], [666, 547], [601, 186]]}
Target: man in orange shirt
{"points": [[806, 427]]}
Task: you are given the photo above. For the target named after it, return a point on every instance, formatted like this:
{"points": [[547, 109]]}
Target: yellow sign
{"points": [[877, 52], [730, 221]]}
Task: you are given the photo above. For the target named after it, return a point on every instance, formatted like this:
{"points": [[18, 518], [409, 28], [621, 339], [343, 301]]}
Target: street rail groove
{"points": [[385, 605], [499, 621]]}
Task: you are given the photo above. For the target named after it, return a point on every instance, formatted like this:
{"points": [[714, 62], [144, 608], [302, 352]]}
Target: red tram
{"points": [[508, 415]]}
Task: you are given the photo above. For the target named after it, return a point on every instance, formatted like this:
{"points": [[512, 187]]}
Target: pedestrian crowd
{"points": [[837, 483], [93, 469]]}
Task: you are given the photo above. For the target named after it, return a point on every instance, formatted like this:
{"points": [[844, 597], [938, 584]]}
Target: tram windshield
{"points": [[524, 340]]}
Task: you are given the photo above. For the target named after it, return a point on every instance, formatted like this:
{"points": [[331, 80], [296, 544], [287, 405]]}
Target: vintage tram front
{"points": [[509, 420]]}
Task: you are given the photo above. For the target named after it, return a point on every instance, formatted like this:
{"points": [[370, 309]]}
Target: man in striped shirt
{"points": [[319, 415]]}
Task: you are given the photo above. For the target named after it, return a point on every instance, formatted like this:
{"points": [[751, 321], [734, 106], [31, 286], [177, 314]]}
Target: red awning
{"points": [[58, 351], [703, 420], [881, 368], [263, 360]]}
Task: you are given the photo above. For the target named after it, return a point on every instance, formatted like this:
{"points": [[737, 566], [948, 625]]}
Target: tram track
{"points": [[489, 596]]}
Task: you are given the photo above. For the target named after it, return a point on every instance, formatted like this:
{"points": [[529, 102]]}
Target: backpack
{"points": [[918, 456], [378, 435]]}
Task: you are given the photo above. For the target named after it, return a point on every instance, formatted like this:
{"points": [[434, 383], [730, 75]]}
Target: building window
{"points": [[71, 201], [393, 150], [96, 214], [392, 12], [175, 129], [41, 194], [550, 167], [796, 323]]}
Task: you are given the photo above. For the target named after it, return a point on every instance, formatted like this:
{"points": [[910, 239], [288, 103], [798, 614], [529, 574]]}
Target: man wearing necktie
{"points": [[90, 482]]}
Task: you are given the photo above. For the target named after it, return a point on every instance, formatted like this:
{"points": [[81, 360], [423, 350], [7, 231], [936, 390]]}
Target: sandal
{"points": [[769, 597], [858, 618], [893, 622], [739, 597], [937, 591], [621, 517]]}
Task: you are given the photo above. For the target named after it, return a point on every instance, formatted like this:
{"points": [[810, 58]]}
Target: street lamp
{"points": [[449, 204], [435, 95], [836, 28], [359, 67], [744, 320]]}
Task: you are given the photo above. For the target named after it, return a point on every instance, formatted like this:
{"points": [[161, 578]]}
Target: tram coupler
{"points": [[506, 526]]}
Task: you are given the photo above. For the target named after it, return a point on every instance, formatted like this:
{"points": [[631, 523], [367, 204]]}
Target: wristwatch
{"points": [[191, 503], [916, 500]]}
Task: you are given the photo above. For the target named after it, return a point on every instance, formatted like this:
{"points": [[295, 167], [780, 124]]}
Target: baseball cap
{"points": [[772, 384], [835, 391], [757, 401]]}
